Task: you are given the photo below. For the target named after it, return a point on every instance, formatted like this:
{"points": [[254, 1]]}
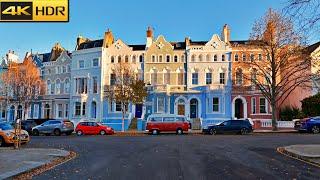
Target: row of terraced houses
{"points": [[202, 80]]}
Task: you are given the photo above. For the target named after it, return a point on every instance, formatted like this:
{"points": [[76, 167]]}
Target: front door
{"points": [[181, 109], [194, 108], [239, 109], [138, 110]]}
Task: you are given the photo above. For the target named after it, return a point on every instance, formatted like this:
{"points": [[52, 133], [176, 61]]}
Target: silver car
{"points": [[56, 127]]}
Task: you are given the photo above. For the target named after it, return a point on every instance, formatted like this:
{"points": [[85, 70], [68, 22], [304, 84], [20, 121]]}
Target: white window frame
{"points": [[253, 105], [79, 64], [215, 104], [265, 106], [93, 62]]}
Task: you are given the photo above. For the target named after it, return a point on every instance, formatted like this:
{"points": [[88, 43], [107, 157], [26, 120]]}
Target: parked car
{"points": [[28, 125], [297, 124], [310, 125], [56, 127], [7, 135], [157, 123], [231, 126], [93, 128]]}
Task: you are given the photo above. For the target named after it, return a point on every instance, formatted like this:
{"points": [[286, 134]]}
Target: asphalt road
{"points": [[179, 157]]}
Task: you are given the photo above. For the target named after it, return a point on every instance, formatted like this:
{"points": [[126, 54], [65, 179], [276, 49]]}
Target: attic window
{"points": [[96, 44]]}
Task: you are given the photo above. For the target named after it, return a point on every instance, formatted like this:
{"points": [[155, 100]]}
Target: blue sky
{"points": [[128, 19]]}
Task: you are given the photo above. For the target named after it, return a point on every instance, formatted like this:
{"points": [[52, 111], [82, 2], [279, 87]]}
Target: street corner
{"points": [[308, 153], [25, 163]]}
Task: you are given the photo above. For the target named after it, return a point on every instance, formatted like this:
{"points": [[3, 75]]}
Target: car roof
{"points": [[165, 115]]}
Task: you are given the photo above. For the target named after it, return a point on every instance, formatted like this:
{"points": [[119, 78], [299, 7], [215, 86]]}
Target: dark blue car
{"points": [[311, 125], [231, 126]]}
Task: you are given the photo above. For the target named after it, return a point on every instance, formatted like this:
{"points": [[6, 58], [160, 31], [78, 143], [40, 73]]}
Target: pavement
{"points": [[14, 162], [171, 156], [309, 153]]}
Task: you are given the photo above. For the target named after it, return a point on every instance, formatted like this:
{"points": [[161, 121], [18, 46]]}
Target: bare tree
{"points": [[22, 85], [305, 13], [284, 62], [125, 88]]}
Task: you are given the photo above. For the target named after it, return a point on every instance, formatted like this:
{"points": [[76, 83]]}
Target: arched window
{"points": [[182, 58], [112, 59], [236, 57], [223, 57], [67, 86], [134, 59], [208, 57], [175, 58], [141, 58], [126, 59], [252, 57], [166, 77], [253, 76], [215, 58], [154, 77], [200, 58], [19, 112], [160, 58], [153, 58], [239, 77], [193, 58], [168, 58], [244, 57], [48, 87], [58, 86], [119, 59]]}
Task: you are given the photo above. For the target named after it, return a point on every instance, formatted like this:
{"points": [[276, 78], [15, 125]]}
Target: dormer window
{"points": [[175, 58], [112, 59], [119, 59], [126, 59], [244, 57], [160, 58], [223, 57]]}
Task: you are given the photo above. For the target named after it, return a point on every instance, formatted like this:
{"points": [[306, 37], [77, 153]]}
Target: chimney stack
{"points": [[149, 37], [226, 33], [187, 41], [108, 39]]}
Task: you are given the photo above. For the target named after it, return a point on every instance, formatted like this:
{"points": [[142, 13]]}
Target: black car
{"points": [[30, 123], [231, 126]]}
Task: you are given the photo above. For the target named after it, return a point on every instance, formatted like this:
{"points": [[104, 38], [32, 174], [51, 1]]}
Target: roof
{"points": [[242, 42], [178, 45], [200, 43], [138, 47], [46, 57], [91, 44], [313, 47]]}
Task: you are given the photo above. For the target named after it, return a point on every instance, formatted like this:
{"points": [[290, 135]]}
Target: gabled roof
{"points": [[91, 44], [200, 43]]}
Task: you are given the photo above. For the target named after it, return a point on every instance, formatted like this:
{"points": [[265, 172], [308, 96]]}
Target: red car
{"points": [[93, 128], [167, 123]]}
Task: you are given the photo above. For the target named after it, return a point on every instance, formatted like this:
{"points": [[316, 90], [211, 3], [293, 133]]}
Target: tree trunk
{"points": [[274, 116]]}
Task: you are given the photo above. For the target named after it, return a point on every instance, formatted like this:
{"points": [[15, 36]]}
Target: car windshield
{"points": [[5, 127]]}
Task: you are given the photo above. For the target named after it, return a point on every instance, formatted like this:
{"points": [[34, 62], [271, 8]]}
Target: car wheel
{"points": [[243, 131], [102, 132], [212, 131], [35, 132], [2, 143], [315, 130], [79, 133], [179, 131], [57, 132], [155, 132]]}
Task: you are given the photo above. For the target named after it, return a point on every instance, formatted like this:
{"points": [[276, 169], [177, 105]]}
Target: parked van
{"points": [[157, 123]]}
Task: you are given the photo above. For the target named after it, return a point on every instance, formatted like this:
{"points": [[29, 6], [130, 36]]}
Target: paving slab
{"points": [[14, 162]]}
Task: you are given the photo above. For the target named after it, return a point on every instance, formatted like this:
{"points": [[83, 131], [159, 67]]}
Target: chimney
{"points": [[80, 40], [226, 33], [108, 39], [149, 37], [187, 41]]}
